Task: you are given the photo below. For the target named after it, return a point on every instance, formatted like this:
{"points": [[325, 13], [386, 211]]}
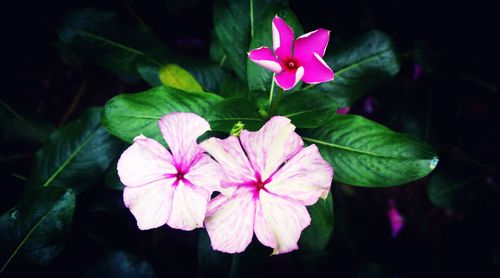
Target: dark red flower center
{"points": [[179, 176], [291, 64]]}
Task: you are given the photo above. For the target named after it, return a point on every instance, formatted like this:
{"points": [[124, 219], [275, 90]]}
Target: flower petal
{"points": [[282, 38], [304, 178], [205, 173], [289, 78], [150, 204], [230, 220], [279, 222], [269, 147], [189, 205], [307, 44], [236, 168], [145, 161], [180, 130], [317, 71], [264, 57]]}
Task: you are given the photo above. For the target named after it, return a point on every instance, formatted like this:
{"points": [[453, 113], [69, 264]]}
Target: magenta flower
{"points": [[395, 219], [169, 187], [273, 178], [305, 63]]}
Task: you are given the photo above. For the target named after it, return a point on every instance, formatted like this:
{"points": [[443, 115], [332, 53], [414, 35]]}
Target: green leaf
{"points": [[75, 155], [129, 115], [233, 87], [360, 65], [111, 178], [227, 113], [102, 37], [35, 229], [17, 128], [307, 110], [316, 237], [259, 79], [212, 263], [364, 153], [176, 77], [120, 264], [457, 185]]}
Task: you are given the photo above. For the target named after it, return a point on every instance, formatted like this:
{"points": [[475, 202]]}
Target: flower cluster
{"points": [[265, 179]]}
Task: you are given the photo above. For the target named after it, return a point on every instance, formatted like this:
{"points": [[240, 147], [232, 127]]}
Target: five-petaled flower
{"points": [[169, 187], [305, 63], [272, 178]]}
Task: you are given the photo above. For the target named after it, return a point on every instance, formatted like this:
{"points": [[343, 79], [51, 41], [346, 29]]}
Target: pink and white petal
{"points": [[264, 57], [236, 168], [317, 71], [289, 78], [279, 222], [150, 204], [180, 130], [282, 38], [312, 42], [189, 205], [271, 146], [145, 161], [230, 220], [205, 173], [304, 178]]}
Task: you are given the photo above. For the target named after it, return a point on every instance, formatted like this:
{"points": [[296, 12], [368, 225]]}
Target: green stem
{"points": [[271, 92], [251, 18], [276, 102]]}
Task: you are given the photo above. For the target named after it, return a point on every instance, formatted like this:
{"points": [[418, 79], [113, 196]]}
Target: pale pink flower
{"points": [[305, 63], [172, 188], [272, 178]]}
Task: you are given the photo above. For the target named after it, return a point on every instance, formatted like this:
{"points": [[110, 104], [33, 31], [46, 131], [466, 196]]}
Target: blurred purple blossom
{"points": [[417, 71], [395, 219]]}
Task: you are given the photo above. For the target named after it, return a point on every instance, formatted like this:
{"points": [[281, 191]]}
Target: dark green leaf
{"points": [[34, 230], [75, 155], [224, 115], [364, 153], [307, 110], [16, 128], [112, 179], [456, 185], [233, 87], [360, 65], [316, 237], [120, 264], [259, 79], [129, 115], [212, 263]]}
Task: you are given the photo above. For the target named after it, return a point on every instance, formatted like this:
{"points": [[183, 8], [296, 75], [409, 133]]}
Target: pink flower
{"points": [[169, 187], [273, 178], [395, 219], [305, 63]]}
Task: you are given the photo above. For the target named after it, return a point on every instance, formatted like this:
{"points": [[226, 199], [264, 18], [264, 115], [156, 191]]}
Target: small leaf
{"points": [[360, 64], [316, 237], [34, 231], [176, 77], [227, 113], [129, 115], [120, 264], [75, 155], [364, 153]]}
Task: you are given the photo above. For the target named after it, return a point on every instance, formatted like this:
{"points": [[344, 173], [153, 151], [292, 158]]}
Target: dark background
{"points": [[453, 105]]}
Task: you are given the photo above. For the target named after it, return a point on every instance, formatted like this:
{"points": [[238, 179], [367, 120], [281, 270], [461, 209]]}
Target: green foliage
{"points": [[364, 153], [75, 155], [316, 237], [129, 115], [34, 230], [227, 113], [360, 64], [176, 77]]}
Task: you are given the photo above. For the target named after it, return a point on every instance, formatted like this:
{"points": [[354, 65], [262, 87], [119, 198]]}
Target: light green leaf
{"points": [[176, 77], [35, 229], [129, 115], [364, 153]]}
